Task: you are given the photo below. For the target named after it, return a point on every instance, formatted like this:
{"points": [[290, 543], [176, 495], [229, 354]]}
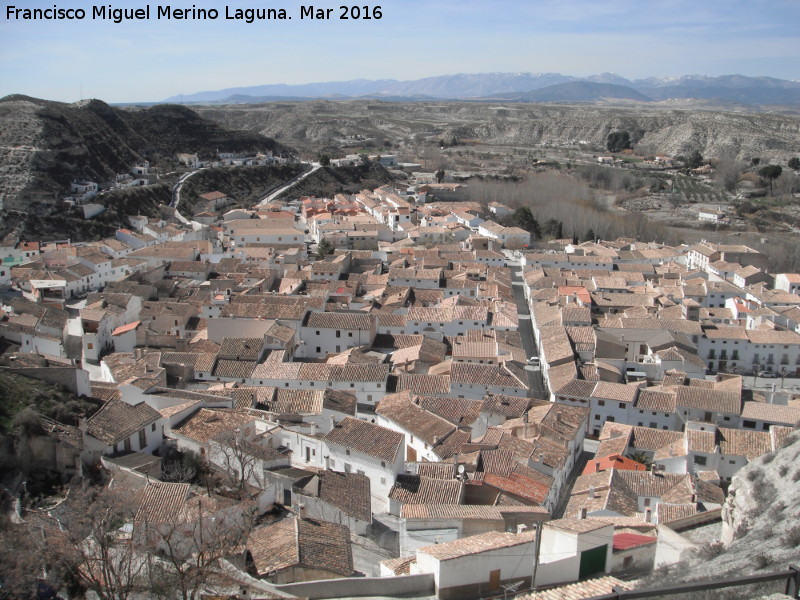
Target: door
{"points": [[593, 561], [308, 454], [494, 580]]}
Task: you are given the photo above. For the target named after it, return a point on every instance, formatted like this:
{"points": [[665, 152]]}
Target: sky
{"points": [[151, 60]]}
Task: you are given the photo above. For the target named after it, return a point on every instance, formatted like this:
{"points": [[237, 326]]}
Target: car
{"points": [[533, 360], [768, 375]]}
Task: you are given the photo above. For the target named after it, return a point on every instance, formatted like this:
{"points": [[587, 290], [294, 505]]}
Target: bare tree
{"points": [[96, 546], [186, 548], [241, 455]]}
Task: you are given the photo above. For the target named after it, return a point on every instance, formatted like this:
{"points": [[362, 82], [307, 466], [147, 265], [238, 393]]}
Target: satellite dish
{"points": [[460, 469]]}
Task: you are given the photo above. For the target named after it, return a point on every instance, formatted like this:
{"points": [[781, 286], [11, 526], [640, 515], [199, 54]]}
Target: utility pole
{"points": [[536, 553]]}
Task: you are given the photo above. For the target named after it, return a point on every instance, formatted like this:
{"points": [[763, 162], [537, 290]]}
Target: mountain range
{"points": [[521, 87]]}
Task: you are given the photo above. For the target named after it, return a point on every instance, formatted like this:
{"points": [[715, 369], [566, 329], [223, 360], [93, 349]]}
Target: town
{"points": [[387, 393]]}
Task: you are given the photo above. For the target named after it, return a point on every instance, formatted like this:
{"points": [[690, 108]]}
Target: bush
{"points": [[761, 561], [710, 550], [792, 537], [796, 476], [783, 470], [752, 475]]}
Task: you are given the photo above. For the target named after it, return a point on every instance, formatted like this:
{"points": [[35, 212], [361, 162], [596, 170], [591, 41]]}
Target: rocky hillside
{"points": [[45, 145], [328, 181], [312, 126], [761, 524]]}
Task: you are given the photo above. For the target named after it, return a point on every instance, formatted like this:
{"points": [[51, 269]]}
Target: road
{"points": [[536, 388], [176, 197], [287, 185]]}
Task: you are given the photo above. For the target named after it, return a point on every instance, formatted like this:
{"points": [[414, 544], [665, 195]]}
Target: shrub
{"points": [[768, 458], [710, 550], [783, 470], [792, 537], [761, 560], [796, 476], [752, 475]]}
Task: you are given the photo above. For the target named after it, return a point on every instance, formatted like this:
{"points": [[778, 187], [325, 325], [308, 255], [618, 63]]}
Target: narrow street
{"points": [[536, 388]]}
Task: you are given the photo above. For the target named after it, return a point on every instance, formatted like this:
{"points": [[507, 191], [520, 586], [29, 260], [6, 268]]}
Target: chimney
{"points": [[582, 513], [591, 491], [244, 593], [313, 429], [596, 466], [436, 440], [333, 422], [521, 528], [559, 418], [302, 511]]}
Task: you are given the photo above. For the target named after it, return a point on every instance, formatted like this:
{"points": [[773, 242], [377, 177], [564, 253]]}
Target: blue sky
{"points": [[152, 60]]}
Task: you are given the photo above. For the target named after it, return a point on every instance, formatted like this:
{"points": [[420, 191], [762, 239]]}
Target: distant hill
{"points": [[45, 145], [466, 86], [578, 91]]}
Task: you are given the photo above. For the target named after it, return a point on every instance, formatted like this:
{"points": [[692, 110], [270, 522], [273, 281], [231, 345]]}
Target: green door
{"points": [[593, 561]]}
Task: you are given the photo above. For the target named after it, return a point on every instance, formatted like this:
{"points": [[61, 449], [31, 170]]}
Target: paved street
{"points": [[535, 383]]}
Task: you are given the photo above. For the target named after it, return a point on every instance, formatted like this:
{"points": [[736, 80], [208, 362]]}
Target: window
{"points": [[338, 333], [383, 463], [347, 451], [597, 417], [622, 405], [601, 403], [143, 438], [347, 468], [700, 461], [153, 427], [90, 345]]}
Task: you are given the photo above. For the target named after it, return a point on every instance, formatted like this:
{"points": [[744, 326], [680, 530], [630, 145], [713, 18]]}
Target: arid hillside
{"points": [[313, 126], [45, 145]]}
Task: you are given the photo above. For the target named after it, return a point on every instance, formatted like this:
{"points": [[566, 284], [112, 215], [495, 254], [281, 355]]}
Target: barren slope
{"points": [[323, 124]]}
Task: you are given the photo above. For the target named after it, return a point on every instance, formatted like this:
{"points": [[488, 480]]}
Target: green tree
{"points": [[770, 173], [524, 218], [794, 163], [589, 237], [695, 159], [324, 160], [553, 229], [617, 141], [325, 248], [440, 176]]}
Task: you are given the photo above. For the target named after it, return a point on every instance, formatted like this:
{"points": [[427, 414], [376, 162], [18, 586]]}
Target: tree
{"points": [[95, 545], [756, 373], [590, 236], [188, 546], [770, 173], [794, 163], [440, 176], [240, 455], [524, 219], [553, 228], [324, 160], [325, 248], [617, 141], [695, 159]]}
